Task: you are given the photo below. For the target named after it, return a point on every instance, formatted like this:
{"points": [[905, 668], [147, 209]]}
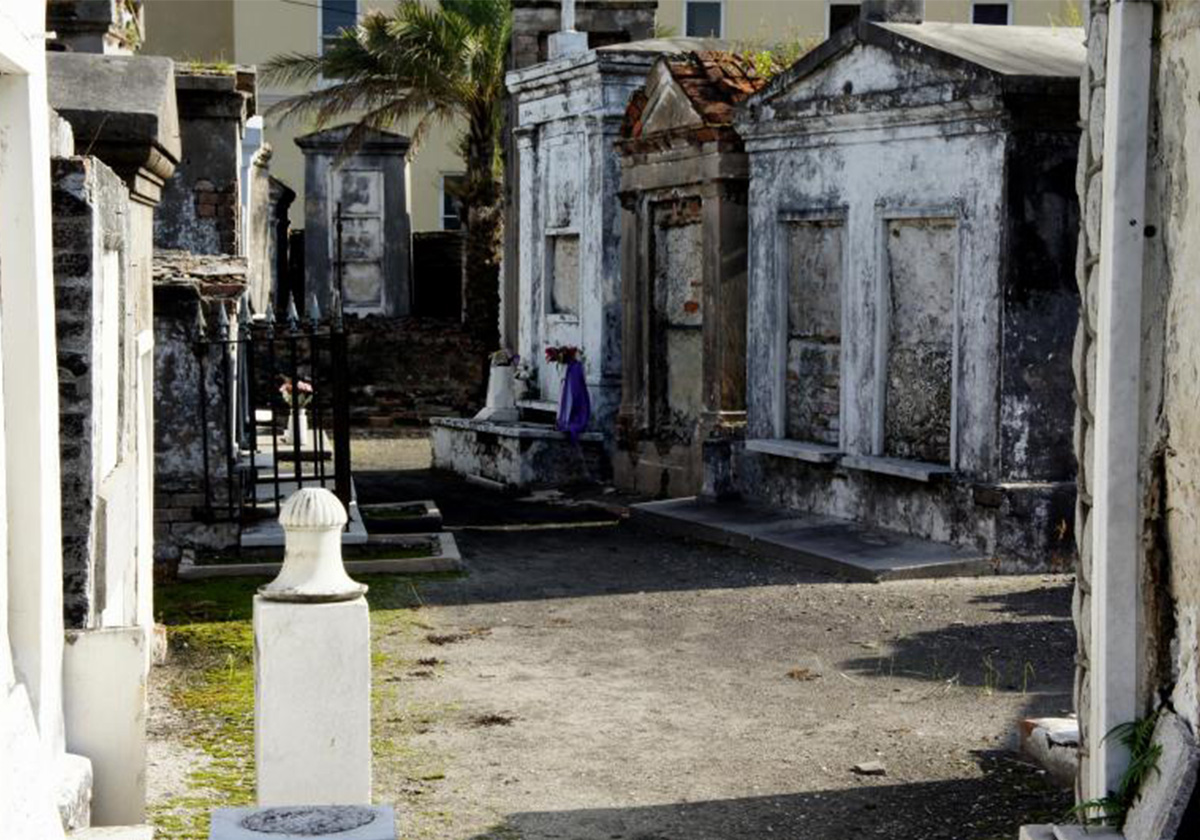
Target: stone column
{"points": [[312, 666]]}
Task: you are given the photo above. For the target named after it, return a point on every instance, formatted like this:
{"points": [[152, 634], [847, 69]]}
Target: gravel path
{"points": [[608, 683]]}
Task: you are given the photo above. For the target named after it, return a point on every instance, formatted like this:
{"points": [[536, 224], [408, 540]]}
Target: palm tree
{"points": [[423, 64]]}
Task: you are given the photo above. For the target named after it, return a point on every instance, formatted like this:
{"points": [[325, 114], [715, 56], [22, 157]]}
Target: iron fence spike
{"points": [[314, 309]]}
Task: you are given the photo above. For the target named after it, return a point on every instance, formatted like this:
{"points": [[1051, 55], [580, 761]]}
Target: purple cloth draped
{"points": [[574, 404]]}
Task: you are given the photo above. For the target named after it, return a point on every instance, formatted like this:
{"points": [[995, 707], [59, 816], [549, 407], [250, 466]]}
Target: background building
{"points": [[253, 32], [768, 21]]}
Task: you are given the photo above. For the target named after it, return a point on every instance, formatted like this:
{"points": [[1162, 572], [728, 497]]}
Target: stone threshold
{"points": [[446, 558], [1068, 832], [521, 430], [823, 544]]}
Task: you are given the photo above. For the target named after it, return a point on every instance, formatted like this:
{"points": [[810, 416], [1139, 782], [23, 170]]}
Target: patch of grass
{"points": [[212, 687], [217, 701]]}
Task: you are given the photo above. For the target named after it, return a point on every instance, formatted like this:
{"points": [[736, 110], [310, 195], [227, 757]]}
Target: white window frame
{"points": [[1007, 3], [687, 3], [442, 197], [829, 13]]}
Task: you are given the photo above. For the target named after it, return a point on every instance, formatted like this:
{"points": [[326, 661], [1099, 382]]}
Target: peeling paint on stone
{"points": [[954, 293]]}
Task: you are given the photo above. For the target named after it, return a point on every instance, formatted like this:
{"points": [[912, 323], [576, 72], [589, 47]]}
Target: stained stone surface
{"points": [[312, 822], [309, 821]]}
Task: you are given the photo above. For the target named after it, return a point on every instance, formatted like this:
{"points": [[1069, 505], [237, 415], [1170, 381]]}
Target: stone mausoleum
{"points": [[369, 184], [569, 115], [684, 183], [913, 225]]}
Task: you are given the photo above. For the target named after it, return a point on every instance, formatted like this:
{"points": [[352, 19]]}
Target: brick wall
{"points": [[91, 217], [405, 370]]}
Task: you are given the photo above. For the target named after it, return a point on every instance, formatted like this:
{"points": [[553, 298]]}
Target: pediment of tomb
{"points": [[693, 91], [894, 65]]}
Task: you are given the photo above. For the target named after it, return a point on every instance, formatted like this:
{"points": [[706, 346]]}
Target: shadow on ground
{"points": [[979, 808], [467, 505]]}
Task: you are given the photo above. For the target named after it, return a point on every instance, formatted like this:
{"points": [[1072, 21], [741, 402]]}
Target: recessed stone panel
{"points": [[922, 263], [814, 312], [678, 354], [564, 276], [361, 285]]}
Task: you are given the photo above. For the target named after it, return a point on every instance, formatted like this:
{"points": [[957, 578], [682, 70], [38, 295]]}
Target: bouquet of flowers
{"points": [[564, 355], [505, 358], [302, 391]]}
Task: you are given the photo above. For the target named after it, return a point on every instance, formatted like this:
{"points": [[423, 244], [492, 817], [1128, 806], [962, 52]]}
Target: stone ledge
{"points": [[814, 453], [519, 431], [898, 467]]}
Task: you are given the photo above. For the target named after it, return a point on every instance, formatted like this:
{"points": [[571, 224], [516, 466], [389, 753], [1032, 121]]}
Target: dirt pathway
{"points": [[607, 683]]}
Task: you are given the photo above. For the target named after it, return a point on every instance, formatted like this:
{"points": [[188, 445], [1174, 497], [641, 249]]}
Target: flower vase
{"points": [[297, 427], [501, 395]]}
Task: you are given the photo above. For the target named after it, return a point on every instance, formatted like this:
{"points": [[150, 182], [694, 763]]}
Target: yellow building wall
{"points": [[190, 30], [763, 23], [254, 31]]}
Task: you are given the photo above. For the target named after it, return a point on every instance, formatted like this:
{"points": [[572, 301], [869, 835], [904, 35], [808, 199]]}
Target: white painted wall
{"points": [[31, 635]]}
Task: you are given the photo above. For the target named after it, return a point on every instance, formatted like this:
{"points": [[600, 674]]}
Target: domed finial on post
{"points": [[312, 520]]}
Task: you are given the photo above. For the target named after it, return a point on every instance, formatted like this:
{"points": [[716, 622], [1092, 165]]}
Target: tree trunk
{"points": [[483, 243]]}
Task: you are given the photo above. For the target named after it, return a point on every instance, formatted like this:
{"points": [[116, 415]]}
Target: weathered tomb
{"points": [[201, 205], [191, 291], [569, 115], [684, 184], [108, 27], [911, 305], [603, 23], [369, 184], [105, 191]]}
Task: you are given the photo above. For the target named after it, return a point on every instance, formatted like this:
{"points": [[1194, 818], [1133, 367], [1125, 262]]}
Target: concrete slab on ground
{"points": [[446, 558], [823, 544], [114, 832]]}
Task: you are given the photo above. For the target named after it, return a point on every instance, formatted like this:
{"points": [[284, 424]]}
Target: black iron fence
{"points": [[273, 409]]}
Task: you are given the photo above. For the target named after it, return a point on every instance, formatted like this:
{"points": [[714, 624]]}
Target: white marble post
{"points": [[1116, 617], [312, 666], [567, 42]]}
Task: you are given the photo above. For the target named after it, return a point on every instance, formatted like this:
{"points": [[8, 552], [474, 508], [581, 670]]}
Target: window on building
{"points": [[337, 15], [990, 14], [703, 19], [452, 186], [842, 15]]}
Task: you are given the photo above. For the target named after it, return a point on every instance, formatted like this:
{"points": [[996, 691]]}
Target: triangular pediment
{"points": [[863, 69], [667, 105]]}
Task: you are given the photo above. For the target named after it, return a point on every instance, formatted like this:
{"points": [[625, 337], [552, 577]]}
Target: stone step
{"points": [[114, 832], [1036, 832], [823, 544]]}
